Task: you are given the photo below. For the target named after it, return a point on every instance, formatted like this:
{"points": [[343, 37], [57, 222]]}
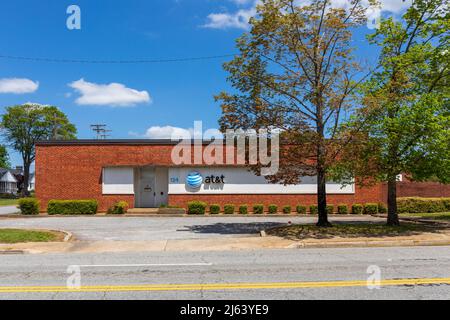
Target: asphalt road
{"points": [[161, 228], [267, 274]]}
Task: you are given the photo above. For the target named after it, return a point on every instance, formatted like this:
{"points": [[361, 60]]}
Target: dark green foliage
{"points": [[243, 209], [72, 207], [342, 209], [382, 208], [371, 208], [214, 209], [423, 205], [229, 209], [330, 209], [287, 209], [313, 209], [258, 209], [357, 209], [29, 206], [301, 209], [273, 209], [120, 207], [197, 207]]}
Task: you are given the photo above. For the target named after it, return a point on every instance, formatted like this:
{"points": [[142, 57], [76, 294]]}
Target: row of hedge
{"points": [[423, 205], [200, 208], [30, 206]]}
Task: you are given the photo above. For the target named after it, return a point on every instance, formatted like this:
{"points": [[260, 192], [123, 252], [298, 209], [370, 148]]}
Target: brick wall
{"points": [[420, 189], [75, 172], [67, 172]]}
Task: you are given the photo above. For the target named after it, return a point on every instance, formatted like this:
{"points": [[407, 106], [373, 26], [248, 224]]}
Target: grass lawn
{"points": [[354, 230], [8, 202], [430, 216], [18, 236]]}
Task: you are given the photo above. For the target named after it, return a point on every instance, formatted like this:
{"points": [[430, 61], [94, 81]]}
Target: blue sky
{"points": [[134, 100]]}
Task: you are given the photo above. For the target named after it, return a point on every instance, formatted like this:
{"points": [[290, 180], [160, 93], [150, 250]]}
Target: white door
{"points": [[147, 190]]}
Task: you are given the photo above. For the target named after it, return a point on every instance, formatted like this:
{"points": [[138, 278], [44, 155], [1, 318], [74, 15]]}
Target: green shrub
{"points": [[382, 208], [72, 207], [258, 209], [301, 209], [214, 209], [197, 207], [313, 209], [29, 206], [120, 207], [273, 209], [228, 209], [371, 208], [243, 209], [287, 209], [446, 202], [342, 209], [357, 209], [423, 205], [330, 209]]}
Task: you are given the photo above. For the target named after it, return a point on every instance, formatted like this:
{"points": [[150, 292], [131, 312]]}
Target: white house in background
{"points": [[31, 184], [8, 182]]}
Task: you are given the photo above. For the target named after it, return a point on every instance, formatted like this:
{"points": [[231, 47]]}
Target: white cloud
{"points": [[237, 20], [167, 132], [395, 6], [176, 133], [18, 85], [240, 18], [113, 94]]}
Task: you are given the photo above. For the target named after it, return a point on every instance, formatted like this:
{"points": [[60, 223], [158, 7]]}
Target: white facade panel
{"points": [[118, 181], [239, 180]]}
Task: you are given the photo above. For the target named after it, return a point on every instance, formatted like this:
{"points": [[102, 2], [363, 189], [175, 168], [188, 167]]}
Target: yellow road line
{"points": [[222, 286]]}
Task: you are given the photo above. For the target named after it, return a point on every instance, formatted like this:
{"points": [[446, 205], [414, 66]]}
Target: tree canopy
{"points": [[405, 119], [23, 125], [296, 72]]}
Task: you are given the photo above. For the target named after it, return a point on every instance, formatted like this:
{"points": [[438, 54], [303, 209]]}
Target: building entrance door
{"points": [[147, 192]]}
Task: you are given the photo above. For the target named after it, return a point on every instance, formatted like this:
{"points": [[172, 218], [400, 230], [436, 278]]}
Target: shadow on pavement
{"points": [[233, 228]]}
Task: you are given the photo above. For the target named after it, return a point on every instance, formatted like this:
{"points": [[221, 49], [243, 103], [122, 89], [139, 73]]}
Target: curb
{"points": [[410, 219], [5, 252], [68, 237], [371, 244]]}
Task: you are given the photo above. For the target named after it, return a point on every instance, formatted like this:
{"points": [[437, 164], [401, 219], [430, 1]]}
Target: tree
{"points": [[4, 158], [296, 72], [406, 114], [23, 125]]}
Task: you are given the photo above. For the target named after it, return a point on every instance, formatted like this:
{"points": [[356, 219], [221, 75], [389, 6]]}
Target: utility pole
{"points": [[101, 131]]}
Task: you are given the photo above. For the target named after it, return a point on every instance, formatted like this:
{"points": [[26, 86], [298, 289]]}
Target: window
{"points": [[118, 181]]}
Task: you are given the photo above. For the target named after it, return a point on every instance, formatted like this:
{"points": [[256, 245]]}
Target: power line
{"points": [[138, 61]]}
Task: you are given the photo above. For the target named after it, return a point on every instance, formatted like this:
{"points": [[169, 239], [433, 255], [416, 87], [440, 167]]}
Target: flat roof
{"points": [[140, 142]]}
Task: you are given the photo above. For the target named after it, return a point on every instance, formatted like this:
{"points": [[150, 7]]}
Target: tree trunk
{"points": [[26, 178], [321, 174], [392, 202], [322, 199]]}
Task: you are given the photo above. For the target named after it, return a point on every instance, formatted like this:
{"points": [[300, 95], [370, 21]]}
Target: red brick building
{"points": [[142, 173]]}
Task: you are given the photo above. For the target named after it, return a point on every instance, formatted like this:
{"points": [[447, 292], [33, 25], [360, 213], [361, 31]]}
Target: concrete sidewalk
{"points": [[8, 210], [223, 244]]}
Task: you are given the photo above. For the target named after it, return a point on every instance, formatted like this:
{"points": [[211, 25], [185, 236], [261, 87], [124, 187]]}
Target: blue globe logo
{"points": [[194, 180]]}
